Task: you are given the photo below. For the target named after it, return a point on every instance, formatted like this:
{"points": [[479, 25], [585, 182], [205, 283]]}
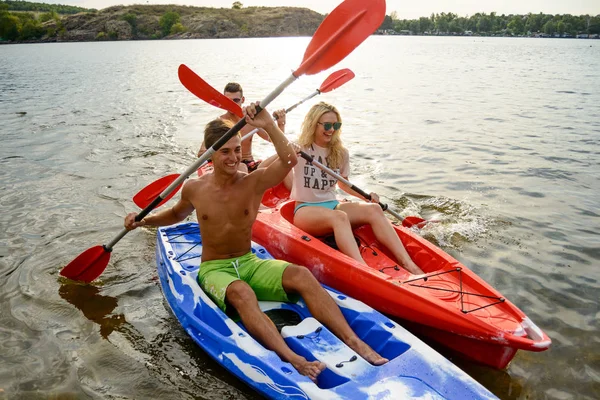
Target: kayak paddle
{"points": [[347, 26], [333, 81], [407, 221], [190, 80]]}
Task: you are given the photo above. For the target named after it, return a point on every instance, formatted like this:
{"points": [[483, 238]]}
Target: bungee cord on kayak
{"points": [[460, 291]]}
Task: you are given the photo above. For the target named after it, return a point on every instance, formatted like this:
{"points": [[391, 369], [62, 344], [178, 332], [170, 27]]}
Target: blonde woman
{"points": [[317, 211]]}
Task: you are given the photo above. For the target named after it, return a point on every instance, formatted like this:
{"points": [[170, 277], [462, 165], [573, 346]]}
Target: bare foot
{"points": [[312, 369], [366, 352], [413, 268]]}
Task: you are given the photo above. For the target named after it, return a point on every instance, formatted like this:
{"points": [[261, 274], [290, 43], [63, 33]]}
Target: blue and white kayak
{"points": [[414, 371]]}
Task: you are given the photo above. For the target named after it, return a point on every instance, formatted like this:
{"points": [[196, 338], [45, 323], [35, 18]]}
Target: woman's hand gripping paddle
{"points": [[407, 221], [348, 25], [190, 80]]}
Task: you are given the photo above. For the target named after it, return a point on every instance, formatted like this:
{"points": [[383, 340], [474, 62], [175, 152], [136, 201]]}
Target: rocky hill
{"points": [[181, 22]]}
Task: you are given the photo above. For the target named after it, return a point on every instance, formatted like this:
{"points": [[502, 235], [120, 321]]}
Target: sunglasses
{"points": [[328, 125], [237, 100]]}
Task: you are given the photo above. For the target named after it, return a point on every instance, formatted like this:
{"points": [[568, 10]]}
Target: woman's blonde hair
{"points": [[309, 128]]}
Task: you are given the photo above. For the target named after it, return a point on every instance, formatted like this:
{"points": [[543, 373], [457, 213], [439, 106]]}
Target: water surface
{"points": [[497, 138]]}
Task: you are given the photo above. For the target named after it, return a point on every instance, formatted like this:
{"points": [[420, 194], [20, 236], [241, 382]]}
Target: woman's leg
{"points": [[372, 214], [319, 221]]}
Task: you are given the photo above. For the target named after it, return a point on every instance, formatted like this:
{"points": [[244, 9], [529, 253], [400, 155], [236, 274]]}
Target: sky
{"points": [[404, 9]]}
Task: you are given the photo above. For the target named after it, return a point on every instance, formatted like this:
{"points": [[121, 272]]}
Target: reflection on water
{"points": [[95, 307]]}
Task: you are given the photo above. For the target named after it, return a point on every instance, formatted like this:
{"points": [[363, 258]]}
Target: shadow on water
{"points": [[93, 305], [176, 363]]}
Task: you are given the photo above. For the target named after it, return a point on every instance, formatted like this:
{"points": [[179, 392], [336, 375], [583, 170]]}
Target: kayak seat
{"points": [[282, 317], [329, 240]]}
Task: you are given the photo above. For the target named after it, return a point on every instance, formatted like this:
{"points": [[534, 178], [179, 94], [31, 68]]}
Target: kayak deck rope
{"points": [[460, 291], [173, 240]]}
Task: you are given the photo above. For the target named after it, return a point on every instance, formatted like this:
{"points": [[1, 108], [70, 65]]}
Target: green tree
{"points": [[47, 16], [167, 21], [484, 24], [455, 27], [594, 25], [534, 22], [549, 28], [415, 26], [387, 23], [237, 5], [131, 19], [31, 6], [425, 24], [10, 25], [177, 28], [32, 29], [516, 25], [493, 22], [441, 24]]}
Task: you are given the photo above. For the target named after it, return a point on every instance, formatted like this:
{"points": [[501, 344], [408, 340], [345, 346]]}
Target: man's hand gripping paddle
{"points": [[348, 25], [191, 81]]}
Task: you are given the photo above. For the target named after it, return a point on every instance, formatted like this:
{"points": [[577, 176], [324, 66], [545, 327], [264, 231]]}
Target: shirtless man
{"points": [[234, 92], [226, 204]]}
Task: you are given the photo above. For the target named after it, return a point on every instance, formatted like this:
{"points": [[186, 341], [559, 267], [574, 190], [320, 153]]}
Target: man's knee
{"points": [[297, 278], [239, 293]]}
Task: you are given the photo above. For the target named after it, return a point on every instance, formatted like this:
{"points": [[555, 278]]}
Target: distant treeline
{"points": [[17, 5], [491, 24]]}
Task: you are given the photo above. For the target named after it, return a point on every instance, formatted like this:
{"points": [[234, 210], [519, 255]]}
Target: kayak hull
{"points": [[414, 370], [450, 304]]}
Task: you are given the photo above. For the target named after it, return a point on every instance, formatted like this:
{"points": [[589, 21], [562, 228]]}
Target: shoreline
{"points": [[6, 42]]}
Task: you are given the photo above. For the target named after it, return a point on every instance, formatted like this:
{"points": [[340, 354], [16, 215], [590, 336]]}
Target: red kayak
{"points": [[449, 304]]}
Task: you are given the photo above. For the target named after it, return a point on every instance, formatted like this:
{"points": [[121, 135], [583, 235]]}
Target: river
{"points": [[498, 138]]}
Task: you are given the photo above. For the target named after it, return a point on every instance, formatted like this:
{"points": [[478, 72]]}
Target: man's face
{"points": [[227, 159], [236, 97]]}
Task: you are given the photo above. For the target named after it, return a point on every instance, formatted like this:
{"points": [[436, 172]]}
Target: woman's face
{"points": [[322, 135]]}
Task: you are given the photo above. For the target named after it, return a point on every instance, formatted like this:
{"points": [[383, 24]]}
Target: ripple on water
{"points": [[499, 160]]}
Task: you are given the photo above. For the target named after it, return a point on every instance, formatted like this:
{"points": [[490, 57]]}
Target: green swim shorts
{"points": [[263, 276]]}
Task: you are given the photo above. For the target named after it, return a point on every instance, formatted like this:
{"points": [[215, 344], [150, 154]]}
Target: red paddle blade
{"points": [[151, 192], [88, 265], [336, 80], [412, 221], [341, 32], [205, 92]]}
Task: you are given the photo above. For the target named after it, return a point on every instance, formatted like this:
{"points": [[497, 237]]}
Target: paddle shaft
{"points": [[198, 163], [366, 195], [316, 92], [253, 131]]}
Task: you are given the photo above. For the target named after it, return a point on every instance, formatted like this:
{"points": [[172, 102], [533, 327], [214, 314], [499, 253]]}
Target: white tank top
{"points": [[311, 184]]}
